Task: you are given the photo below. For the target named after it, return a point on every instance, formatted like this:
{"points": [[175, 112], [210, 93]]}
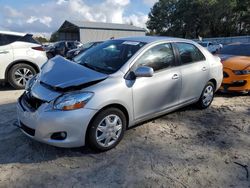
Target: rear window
{"points": [[239, 50], [3, 40], [189, 53], [7, 39], [28, 38]]}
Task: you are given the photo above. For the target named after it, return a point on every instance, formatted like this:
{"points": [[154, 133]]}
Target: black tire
{"points": [[14, 69], [98, 119], [201, 103]]}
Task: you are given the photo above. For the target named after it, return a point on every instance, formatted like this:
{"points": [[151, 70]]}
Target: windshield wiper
{"points": [[91, 67]]}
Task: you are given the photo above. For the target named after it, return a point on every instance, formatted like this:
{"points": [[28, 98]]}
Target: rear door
{"points": [[157, 93], [6, 54], [194, 70]]}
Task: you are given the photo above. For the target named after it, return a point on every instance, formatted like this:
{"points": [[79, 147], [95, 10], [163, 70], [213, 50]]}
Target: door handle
{"points": [[4, 52], [175, 77], [204, 68]]}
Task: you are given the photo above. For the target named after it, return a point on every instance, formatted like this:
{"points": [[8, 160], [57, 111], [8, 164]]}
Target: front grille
{"points": [[235, 84], [27, 130], [225, 75], [31, 102]]}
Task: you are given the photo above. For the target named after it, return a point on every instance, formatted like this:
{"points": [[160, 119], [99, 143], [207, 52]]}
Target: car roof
{"points": [[68, 41], [151, 39], [13, 33]]}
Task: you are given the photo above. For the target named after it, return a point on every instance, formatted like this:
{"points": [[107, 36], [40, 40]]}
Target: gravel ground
{"points": [[186, 148]]}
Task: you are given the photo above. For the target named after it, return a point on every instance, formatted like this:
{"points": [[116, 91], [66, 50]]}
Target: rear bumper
{"points": [[42, 124]]}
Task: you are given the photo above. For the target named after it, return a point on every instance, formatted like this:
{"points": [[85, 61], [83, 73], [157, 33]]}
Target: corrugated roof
{"points": [[102, 25]]}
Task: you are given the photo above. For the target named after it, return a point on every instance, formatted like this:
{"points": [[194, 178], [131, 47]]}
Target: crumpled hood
{"points": [[237, 62], [60, 73]]}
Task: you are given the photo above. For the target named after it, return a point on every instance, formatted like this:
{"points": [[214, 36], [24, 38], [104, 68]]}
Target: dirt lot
{"points": [[187, 148]]}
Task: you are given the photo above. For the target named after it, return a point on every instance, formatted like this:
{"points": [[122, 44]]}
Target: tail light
{"points": [[39, 48]]}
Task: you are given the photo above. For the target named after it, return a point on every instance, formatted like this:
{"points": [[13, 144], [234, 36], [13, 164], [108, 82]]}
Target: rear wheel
{"points": [[107, 129], [207, 96], [19, 74]]}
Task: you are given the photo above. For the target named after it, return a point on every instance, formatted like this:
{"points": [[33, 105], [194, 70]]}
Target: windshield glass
{"points": [[109, 56], [87, 45], [237, 49]]}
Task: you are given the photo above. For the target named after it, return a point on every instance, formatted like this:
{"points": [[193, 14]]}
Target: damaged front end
{"points": [[60, 79]]}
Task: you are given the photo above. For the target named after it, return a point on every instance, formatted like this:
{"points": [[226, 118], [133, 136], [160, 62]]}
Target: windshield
{"points": [[109, 56], [87, 45], [237, 49]]}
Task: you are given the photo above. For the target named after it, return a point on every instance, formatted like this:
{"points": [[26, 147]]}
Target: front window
{"points": [[158, 57], [109, 56]]}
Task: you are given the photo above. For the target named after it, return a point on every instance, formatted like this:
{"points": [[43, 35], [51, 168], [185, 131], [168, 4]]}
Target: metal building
{"points": [[96, 31]]}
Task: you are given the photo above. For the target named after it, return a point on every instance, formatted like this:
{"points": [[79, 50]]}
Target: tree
{"points": [[41, 39], [206, 18]]}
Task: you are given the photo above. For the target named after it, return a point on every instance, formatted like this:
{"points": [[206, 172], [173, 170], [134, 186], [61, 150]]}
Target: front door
{"points": [[157, 93]]}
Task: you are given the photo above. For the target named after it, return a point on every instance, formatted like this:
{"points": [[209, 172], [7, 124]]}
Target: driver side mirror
{"points": [[144, 71]]}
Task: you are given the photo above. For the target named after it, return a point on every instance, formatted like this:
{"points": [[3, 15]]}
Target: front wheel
{"points": [[207, 96], [107, 129], [19, 74]]}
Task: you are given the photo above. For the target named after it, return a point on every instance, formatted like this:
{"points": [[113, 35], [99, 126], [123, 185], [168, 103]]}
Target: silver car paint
{"points": [[46, 122], [143, 98], [62, 79]]}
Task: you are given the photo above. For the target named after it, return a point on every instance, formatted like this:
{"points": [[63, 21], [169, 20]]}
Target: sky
{"points": [[42, 17]]}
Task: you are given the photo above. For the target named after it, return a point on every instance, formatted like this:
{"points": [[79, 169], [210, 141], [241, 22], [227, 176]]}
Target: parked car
{"points": [[21, 57], [211, 47], [236, 67], [113, 86], [74, 52], [61, 48]]}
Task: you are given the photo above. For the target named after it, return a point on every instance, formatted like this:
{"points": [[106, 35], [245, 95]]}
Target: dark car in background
{"points": [[61, 48], [74, 52]]}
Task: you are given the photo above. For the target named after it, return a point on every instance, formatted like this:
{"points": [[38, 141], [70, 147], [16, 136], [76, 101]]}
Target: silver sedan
{"points": [[115, 85]]}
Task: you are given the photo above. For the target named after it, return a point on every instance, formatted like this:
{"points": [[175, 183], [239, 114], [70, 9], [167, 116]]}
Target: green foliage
{"points": [[41, 39], [205, 18]]}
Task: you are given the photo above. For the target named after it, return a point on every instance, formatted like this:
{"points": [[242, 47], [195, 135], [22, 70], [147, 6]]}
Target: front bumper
{"points": [[42, 123], [233, 82]]}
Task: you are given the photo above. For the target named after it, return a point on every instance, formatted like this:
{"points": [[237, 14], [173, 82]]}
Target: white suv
{"points": [[21, 58]]}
